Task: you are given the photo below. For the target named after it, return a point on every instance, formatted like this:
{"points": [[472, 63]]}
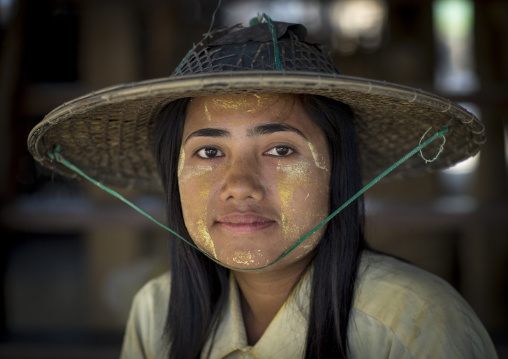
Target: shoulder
{"points": [[147, 318], [394, 279], [413, 313], [150, 304], [155, 291]]}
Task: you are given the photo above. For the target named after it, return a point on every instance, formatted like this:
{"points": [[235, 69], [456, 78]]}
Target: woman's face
{"points": [[254, 176]]}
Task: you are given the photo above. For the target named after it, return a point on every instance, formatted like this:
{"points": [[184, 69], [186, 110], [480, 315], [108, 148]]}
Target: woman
{"points": [[255, 142]]}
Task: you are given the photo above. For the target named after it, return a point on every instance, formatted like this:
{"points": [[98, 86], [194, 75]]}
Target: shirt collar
{"points": [[285, 337]]}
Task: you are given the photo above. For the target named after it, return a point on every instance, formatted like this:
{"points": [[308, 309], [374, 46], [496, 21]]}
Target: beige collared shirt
{"points": [[400, 311]]}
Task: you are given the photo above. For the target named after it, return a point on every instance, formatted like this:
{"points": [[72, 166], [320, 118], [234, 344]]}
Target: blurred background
{"points": [[72, 257]]}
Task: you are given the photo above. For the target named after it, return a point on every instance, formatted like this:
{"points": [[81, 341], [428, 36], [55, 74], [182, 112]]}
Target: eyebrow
{"points": [[269, 128], [264, 129], [208, 132]]}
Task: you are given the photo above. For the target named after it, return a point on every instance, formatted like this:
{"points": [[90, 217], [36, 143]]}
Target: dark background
{"points": [[71, 257]]}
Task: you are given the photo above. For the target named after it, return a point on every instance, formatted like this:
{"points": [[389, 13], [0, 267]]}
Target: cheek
{"points": [[181, 161], [303, 192], [194, 184]]}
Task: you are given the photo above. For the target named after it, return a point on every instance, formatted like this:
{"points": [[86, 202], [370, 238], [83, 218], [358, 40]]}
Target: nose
{"points": [[242, 181]]}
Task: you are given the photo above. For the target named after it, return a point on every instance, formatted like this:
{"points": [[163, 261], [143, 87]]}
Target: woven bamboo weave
{"points": [[107, 133]]}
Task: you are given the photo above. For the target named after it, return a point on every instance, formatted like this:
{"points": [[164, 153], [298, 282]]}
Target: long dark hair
{"points": [[200, 287]]}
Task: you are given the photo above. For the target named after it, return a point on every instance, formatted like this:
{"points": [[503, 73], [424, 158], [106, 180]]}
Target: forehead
{"points": [[245, 102], [249, 109]]}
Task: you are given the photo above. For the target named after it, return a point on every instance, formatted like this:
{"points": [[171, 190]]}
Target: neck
{"points": [[262, 296]]}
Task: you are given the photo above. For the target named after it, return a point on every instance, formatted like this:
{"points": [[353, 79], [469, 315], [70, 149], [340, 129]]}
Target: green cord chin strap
{"points": [[56, 155]]}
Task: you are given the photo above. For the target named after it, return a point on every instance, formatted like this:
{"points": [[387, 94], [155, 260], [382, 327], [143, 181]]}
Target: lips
{"points": [[244, 222]]}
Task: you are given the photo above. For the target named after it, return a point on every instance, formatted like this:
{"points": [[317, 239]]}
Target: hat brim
{"points": [[107, 133]]}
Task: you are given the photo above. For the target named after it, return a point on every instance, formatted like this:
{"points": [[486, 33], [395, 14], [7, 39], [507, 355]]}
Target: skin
{"points": [[253, 179]]}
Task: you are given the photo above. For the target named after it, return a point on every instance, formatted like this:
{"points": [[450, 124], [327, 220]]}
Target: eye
{"points": [[279, 151], [209, 152]]}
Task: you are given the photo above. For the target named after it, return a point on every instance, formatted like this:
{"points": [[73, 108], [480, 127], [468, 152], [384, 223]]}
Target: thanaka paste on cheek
{"points": [[181, 161], [289, 179], [205, 237], [203, 182], [318, 160]]}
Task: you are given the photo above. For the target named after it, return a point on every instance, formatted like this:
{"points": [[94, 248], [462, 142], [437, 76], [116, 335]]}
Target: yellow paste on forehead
{"points": [[230, 102], [244, 105], [248, 103], [207, 113]]}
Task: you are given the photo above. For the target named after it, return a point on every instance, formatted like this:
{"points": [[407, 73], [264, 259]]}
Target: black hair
{"points": [[338, 253], [200, 287]]}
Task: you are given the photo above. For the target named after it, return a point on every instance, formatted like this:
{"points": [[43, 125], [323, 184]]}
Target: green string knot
{"points": [[441, 133]]}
